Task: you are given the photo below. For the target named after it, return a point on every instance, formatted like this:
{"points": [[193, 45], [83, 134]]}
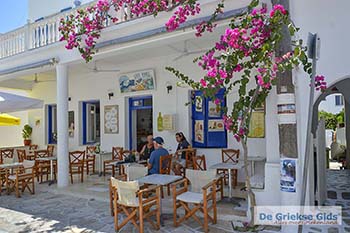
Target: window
{"points": [[208, 130], [339, 100], [52, 124], [91, 122]]}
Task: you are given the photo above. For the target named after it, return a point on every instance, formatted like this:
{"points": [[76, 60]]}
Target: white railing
{"points": [[44, 32]]}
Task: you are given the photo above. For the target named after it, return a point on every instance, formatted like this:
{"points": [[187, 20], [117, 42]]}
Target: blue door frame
{"points": [[132, 107]]}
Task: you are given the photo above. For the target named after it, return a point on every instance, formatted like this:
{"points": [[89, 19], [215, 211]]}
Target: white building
{"points": [[333, 104], [44, 69]]}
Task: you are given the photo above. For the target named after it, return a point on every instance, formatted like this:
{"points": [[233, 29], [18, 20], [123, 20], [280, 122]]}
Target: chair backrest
{"points": [[199, 163], [21, 154], [117, 153], [50, 150], [28, 166], [125, 154], [165, 164], [134, 173], [126, 191], [190, 153], [76, 157], [199, 179], [33, 147], [6, 155], [230, 155], [41, 154], [90, 150]]}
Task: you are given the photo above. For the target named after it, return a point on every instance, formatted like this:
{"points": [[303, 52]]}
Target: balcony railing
{"points": [[44, 32]]}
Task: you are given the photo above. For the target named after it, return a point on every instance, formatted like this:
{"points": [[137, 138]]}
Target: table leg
{"points": [[230, 183], [51, 173], [100, 165], [253, 167]]}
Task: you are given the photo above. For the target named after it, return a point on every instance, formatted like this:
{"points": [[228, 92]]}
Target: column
{"points": [[62, 125], [347, 131]]}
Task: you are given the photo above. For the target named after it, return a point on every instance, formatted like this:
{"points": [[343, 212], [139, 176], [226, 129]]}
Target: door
{"points": [[91, 123]]}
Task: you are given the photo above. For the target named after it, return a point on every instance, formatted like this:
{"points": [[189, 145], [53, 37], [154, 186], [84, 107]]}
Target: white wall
{"points": [[40, 8], [328, 105], [328, 19], [11, 136]]}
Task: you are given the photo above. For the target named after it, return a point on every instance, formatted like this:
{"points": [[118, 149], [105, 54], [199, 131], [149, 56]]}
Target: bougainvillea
{"points": [[242, 60]]}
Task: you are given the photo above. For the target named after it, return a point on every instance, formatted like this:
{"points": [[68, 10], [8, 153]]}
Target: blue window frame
{"points": [[208, 130], [52, 124], [339, 100], [137, 103], [90, 122]]}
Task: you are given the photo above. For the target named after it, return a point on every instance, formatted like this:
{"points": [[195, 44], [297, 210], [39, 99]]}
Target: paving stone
{"points": [[333, 230], [347, 229], [332, 194], [316, 229], [347, 221], [346, 195]]}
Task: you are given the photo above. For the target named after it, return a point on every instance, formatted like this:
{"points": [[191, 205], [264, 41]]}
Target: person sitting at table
{"points": [[182, 144], [147, 149], [153, 163]]}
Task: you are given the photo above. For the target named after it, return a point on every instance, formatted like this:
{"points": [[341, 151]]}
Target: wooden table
{"points": [[229, 167], [8, 166], [51, 159]]}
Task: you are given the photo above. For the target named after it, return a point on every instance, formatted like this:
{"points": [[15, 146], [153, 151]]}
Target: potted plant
{"points": [[26, 134]]}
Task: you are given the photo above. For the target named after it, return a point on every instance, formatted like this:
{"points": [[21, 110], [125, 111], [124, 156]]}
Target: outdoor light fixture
{"points": [[169, 87], [110, 95]]}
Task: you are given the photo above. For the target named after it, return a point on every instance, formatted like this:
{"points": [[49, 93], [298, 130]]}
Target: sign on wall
{"points": [[137, 81], [288, 175], [71, 125], [168, 122], [111, 119]]}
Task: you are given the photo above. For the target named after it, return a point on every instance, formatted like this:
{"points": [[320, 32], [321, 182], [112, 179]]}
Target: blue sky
{"points": [[13, 14]]}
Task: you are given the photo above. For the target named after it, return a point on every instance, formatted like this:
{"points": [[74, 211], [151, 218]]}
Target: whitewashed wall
{"points": [[328, 105]]}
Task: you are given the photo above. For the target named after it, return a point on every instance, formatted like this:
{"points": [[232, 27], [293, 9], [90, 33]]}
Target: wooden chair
{"points": [[42, 167], [3, 177], [190, 153], [116, 156], [76, 164], [229, 156], [201, 195], [33, 147], [132, 173], [6, 155], [199, 163], [165, 168], [21, 154], [50, 150], [135, 203], [22, 179], [90, 159]]}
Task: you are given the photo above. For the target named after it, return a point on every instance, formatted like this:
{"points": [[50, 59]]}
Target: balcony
{"points": [[45, 31]]}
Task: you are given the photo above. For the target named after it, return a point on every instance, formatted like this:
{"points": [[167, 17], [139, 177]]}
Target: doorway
{"points": [[140, 121]]}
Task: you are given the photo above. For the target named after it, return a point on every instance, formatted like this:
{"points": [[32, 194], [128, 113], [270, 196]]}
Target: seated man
{"points": [[153, 164]]}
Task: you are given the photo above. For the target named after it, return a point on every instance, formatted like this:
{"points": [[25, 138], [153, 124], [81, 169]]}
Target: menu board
{"points": [[257, 125], [168, 122], [199, 131]]}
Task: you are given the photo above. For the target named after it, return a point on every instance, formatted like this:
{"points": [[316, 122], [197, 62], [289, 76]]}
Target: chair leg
{"points": [[141, 218], [93, 166], [82, 175], [71, 177], [168, 189], [87, 168], [17, 189]]}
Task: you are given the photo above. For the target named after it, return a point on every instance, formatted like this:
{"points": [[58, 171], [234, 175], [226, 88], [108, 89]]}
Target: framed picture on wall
{"points": [[111, 119], [137, 81]]}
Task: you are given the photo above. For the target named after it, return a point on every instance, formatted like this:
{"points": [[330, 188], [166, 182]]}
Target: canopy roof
{"points": [[14, 103], [6, 120]]}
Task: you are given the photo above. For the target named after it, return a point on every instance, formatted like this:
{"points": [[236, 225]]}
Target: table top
{"points": [[238, 165], [254, 158], [159, 179], [47, 159], [10, 165]]}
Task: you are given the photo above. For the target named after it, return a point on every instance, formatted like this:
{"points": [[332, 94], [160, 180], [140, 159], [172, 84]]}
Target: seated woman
{"points": [[147, 149], [179, 163]]}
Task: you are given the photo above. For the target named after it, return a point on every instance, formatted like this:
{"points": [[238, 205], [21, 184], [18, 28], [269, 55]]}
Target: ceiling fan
{"points": [[36, 79], [185, 52], [95, 69]]}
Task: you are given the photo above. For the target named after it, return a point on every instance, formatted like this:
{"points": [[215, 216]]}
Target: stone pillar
{"points": [[347, 131], [62, 125]]}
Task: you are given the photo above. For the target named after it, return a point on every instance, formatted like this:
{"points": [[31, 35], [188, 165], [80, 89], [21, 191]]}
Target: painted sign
{"points": [[137, 81], [288, 175], [111, 125]]}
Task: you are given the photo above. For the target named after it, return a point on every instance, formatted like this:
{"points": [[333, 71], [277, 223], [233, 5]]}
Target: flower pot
{"points": [[27, 142]]}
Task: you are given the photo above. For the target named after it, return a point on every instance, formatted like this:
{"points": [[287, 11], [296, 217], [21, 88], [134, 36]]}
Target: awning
{"points": [[6, 120], [14, 103]]}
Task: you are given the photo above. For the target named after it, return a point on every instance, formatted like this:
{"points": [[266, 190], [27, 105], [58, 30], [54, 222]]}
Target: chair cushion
{"points": [[190, 197]]}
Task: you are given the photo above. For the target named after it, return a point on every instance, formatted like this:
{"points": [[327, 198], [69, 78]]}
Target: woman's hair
{"points": [[181, 135]]}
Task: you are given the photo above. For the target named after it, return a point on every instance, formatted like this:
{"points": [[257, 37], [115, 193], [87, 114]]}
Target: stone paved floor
{"points": [[85, 208], [338, 193]]}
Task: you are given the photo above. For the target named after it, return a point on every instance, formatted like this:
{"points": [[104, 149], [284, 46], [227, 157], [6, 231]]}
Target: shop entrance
{"points": [[140, 121]]}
